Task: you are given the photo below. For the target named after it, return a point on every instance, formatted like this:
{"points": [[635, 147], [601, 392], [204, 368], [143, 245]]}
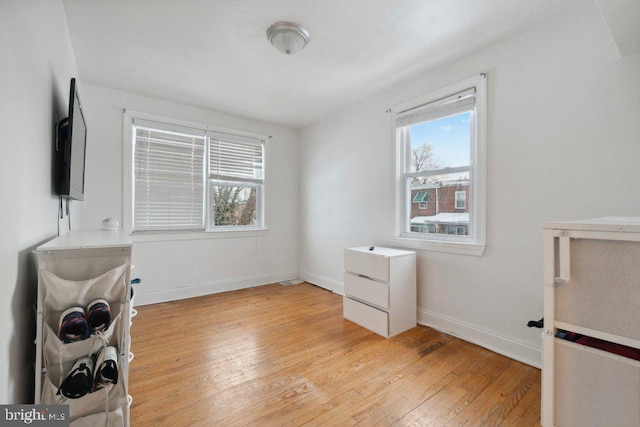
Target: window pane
{"points": [[168, 181], [234, 205], [442, 143], [444, 213], [461, 199], [236, 159]]}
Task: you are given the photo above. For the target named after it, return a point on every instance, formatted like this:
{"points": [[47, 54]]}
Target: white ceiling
{"points": [[214, 53]]}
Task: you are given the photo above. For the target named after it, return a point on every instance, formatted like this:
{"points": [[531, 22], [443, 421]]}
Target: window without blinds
{"points": [[169, 180]]}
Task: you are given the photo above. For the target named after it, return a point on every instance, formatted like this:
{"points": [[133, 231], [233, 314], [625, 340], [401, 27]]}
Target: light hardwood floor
{"points": [[283, 355]]}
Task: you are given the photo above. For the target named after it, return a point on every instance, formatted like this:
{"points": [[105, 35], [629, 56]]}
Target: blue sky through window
{"points": [[449, 138]]}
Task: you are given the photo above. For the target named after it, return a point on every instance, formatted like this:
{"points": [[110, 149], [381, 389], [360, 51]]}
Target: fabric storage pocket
{"points": [[57, 353], [107, 399], [107, 419], [60, 294]]}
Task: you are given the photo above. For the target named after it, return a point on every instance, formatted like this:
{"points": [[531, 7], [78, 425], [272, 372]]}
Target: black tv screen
{"points": [[71, 148]]}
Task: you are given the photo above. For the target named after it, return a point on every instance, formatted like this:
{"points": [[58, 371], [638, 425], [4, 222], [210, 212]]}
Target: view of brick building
{"points": [[440, 208]]}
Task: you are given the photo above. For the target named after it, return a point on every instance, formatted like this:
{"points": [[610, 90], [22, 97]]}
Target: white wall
{"points": [[562, 143], [175, 269], [35, 70]]}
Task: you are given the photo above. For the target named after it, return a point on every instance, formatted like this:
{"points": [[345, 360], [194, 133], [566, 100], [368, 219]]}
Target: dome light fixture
{"points": [[288, 37]]}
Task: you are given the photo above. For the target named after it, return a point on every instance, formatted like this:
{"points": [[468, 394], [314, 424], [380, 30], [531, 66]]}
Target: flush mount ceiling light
{"points": [[288, 37]]}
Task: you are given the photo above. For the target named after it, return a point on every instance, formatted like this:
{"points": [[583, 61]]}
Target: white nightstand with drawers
{"points": [[380, 289]]}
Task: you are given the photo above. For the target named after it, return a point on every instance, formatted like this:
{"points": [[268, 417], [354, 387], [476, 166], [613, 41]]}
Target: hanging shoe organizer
{"points": [[73, 270]]}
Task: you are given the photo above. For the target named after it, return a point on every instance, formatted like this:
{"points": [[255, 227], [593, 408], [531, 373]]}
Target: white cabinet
{"points": [[591, 338], [380, 289], [74, 270]]}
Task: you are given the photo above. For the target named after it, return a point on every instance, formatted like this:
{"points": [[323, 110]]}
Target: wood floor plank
{"points": [[382, 375], [499, 398], [283, 355]]}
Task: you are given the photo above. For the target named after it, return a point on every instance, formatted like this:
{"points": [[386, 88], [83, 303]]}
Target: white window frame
{"points": [[165, 123], [475, 242], [462, 199], [237, 137]]}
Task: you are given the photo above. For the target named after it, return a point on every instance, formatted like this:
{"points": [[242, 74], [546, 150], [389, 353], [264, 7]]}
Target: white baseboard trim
{"points": [[508, 347], [324, 282], [188, 291]]}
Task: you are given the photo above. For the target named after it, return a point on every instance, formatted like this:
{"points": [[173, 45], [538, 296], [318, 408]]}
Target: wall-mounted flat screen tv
{"points": [[71, 147]]}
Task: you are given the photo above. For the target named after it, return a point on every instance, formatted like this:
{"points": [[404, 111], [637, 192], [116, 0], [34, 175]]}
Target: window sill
{"points": [[447, 247], [196, 235]]}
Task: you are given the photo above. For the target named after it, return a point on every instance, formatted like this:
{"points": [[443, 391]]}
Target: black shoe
{"points": [[73, 325], [98, 316], [79, 381]]}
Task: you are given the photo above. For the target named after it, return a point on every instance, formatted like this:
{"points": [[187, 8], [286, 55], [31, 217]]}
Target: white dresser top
{"points": [[80, 239], [629, 224], [377, 250]]}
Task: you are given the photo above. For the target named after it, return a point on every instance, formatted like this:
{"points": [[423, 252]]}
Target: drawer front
{"points": [[367, 290], [371, 318], [595, 388], [367, 264]]}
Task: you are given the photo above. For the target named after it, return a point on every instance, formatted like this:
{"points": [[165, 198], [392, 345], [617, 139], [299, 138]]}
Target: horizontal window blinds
{"points": [[168, 127], [168, 180], [449, 106], [235, 158]]}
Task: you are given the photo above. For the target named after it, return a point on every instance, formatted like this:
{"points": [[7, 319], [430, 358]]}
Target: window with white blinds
{"points": [[235, 158], [190, 179], [447, 106], [169, 180], [236, 166]]}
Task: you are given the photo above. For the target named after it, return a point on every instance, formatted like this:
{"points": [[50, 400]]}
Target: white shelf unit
{"points": [[592, 288], [73, 270], [380, 289]]}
